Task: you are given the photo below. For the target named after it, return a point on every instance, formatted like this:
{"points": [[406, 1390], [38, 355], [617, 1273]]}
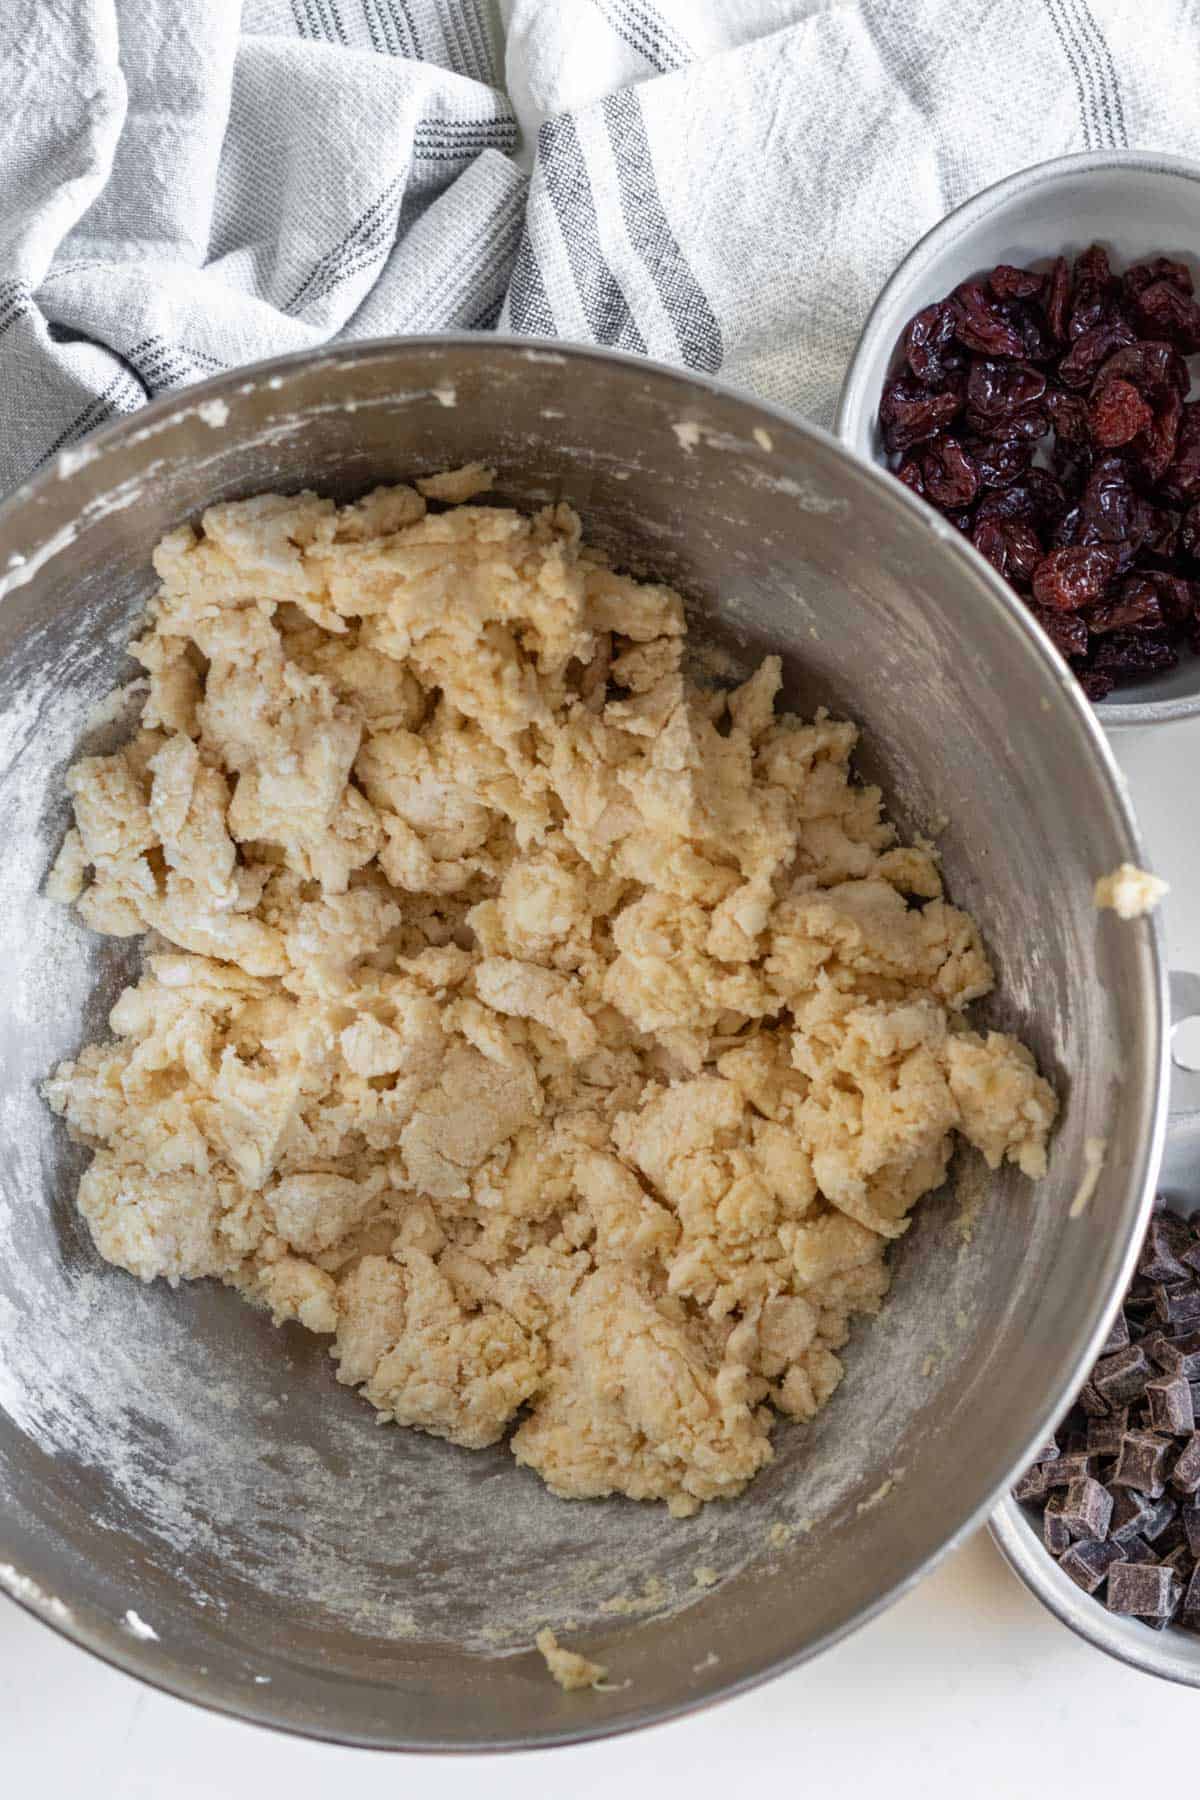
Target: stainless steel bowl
{"points": [[1137, 203], [169, 1464], [1172, 1654]]}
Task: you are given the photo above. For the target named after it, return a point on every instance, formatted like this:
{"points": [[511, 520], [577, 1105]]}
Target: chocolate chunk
{"points": [[1191, 1599], [1137, 1550], [1179, 1307], [1088, 1563], [1048, 1451], [1145, 1590], [1142, 1463], [1170, 1402], [1066, 1469], [1104, 1435], [1185, 1476], [1174, 1538], [1123, 1376], [1054, 1531], [1129, 1514], [1032, 1484], [1118, 1334], [1093, 1402], [1162, 1350], [1088, 1509], [1190, 1516], [1162, 1514], [1187, 1350], [1159, 1261]]}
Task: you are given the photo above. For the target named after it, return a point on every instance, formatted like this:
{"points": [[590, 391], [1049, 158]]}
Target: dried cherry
{"points": [[949, 472], [1074, 577], [981, 323], [1117, 412]]}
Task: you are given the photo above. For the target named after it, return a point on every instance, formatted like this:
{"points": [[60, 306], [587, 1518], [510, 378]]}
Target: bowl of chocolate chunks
{"points": [[1104, 1524]]}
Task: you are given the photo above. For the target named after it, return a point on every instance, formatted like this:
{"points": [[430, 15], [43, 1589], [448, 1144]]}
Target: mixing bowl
{"points": [[1135, 202], [185, 1489]]}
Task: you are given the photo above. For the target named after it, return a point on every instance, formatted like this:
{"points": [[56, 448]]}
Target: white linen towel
{"points": [[186, 185]]}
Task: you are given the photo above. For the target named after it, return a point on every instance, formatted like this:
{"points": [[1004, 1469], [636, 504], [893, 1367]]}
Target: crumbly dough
{"points": [[1130, 892], [565, 1042], [568, 1667]]}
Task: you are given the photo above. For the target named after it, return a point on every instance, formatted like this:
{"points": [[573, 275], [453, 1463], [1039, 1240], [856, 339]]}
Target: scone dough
{"points": [[566, 1042]]}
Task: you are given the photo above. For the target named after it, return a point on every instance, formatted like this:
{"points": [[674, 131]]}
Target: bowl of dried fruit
{"points": [[1027, 370]]}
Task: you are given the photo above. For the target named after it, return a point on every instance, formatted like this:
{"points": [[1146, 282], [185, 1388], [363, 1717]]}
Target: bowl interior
{"points": [[1136, 208], [168, 1460]]}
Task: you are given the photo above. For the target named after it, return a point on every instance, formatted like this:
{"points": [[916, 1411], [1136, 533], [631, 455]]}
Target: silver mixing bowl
{"points": [[1136, 202], [170, 1464]]}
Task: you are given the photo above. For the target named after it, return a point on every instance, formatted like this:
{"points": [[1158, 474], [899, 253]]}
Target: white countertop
{"points": [[966, 1685]]}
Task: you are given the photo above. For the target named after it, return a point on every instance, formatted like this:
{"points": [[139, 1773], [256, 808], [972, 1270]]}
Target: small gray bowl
{"points": [[1137, 203], [1173, 1654]]}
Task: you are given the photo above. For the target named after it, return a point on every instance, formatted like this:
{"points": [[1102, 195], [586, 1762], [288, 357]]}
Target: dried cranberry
{"points": [[1092, 265], [1178, 598], [1009, 503], [1048, 496], [1117, 412], [996, 389], [1162, 310], [1181, 482], [1090, 349], [1058, 295], [1154, 448], [982, 325], [1139, 276], [1069, 415], [1136, 604], [1000, 461], [1071, 578], [1150, 366], [1189, 532], [1096, 684], [1012, 548], [909, 413], [1009, 283], [1066, 631], [1109, 503], [909, 473], [1067, 530], [928, 340], [1134, 653], [951, 478], [961, 521], [1040, 343]]}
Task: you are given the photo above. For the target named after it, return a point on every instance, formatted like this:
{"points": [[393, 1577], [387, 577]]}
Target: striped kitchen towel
{"points": [[186, 185]]}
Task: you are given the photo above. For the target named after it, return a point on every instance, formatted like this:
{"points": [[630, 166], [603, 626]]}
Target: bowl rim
{"points": [[1147, 1088], [856, 405], [1087, 1617]]}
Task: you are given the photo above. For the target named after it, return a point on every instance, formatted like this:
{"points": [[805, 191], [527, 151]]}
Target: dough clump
{"points": [[1128, 891], [564, 1041]]}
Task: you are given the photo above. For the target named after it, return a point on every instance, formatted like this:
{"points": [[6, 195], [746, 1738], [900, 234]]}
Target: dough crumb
{"points": [[1094, 1151], [706, 1577], [779, 1535], [708, 1662], [568, 1667], [877, 1497], [653, 1596], [564, 1042], [1130, 892]]}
